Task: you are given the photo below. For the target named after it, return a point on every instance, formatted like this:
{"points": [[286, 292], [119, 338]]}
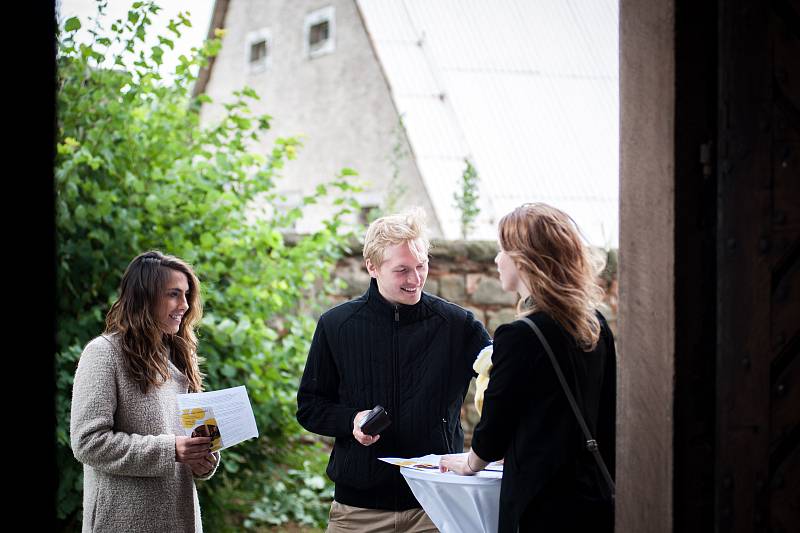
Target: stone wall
{"points": [[464, 272]]}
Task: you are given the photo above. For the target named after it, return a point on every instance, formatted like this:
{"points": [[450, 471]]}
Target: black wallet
{"points": [[376, 421]]}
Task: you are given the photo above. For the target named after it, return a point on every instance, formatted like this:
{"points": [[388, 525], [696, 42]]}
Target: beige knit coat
{"points": [[126, 442]]}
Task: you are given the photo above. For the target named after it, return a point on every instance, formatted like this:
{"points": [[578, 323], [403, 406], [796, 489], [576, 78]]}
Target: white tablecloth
{"points": [[457, 504]]}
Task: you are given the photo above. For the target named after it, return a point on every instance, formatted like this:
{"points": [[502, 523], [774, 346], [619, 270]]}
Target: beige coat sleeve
{"points": [[92, 436]]}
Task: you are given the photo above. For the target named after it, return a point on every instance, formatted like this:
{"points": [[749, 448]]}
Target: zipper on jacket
{"points": [[444, 433], [396, 382]]}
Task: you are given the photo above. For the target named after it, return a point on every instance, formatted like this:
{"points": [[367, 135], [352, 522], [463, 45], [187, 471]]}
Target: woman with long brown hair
{"points": [[551, 481], [139, 468]]}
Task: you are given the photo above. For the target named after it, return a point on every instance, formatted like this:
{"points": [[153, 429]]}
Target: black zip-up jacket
{"points": [[414, 360]]}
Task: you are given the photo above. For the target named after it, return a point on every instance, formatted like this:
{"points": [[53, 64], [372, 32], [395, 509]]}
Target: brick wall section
{"points": [[464, 272]]}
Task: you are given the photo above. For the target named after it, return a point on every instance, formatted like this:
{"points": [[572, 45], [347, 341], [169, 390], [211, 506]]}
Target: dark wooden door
{"points": [[757, 466]]}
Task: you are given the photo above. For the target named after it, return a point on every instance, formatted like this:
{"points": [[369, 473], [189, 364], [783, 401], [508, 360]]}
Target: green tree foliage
{"points": [[135, 170], [466, 198]]}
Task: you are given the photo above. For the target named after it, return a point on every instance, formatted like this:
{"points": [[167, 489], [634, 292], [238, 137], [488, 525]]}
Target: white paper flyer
{"points": [[224, 415], [430, 463]]}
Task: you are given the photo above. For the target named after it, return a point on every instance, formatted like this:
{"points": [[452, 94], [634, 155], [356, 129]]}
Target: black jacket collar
{"points": [[403, 313]]}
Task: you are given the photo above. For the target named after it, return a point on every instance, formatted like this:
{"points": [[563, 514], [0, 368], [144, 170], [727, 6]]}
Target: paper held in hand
{"points": [[224, 415]]}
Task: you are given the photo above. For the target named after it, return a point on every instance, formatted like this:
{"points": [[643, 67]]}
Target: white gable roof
{"points": [[527, 89]]}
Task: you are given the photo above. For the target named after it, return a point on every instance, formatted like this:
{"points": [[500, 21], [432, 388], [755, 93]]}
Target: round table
{"points": [[457, 504]]}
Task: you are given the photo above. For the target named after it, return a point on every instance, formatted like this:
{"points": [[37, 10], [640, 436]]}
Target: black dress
{"points": [[550, 482]]}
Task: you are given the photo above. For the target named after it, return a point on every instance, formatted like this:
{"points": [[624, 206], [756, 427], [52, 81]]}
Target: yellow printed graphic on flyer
{"points": [[200, 422]]}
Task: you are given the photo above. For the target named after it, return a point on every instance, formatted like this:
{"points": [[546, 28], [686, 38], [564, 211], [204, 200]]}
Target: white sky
{"points": [[199, 15]]}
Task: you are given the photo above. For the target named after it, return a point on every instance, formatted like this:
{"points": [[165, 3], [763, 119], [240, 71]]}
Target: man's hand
{"points": [[363, 438]]}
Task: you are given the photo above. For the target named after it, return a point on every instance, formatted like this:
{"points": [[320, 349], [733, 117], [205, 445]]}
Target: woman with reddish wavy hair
{"points": [[139, 468], [551, 481]]}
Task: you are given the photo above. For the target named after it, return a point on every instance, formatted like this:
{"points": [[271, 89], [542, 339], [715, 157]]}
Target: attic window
{"points": [[258, 51], [318, 35], [320, 32]]}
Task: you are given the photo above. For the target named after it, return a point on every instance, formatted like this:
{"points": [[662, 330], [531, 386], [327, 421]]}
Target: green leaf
{"points": [[80, 214], [248, 91], [227, 325], [207, 240], [72, 24], [171, 26], [228, 371]]}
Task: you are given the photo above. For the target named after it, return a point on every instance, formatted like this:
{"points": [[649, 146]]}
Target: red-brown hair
{"points": [[556, 267]]}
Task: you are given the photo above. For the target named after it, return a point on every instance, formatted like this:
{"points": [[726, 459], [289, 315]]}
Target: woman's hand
{"points": [[191, 449], [455, 463], [361, 437], [204, 466], [463, 464]]}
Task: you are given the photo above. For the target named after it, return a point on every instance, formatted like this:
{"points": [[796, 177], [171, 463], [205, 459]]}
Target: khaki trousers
{"points": [[346, 519]]}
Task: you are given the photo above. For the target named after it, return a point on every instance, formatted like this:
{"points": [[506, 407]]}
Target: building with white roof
{"points": [[526, 90]]}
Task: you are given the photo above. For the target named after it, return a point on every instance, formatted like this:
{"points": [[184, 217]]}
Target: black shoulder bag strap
{"points": [[591, 444]]}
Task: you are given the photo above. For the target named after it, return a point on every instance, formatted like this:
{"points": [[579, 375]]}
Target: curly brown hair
{"points": [[557, 268], [145, 347]]}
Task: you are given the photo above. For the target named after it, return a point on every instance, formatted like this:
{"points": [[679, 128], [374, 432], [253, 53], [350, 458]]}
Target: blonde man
{"points": [[395, 346]]}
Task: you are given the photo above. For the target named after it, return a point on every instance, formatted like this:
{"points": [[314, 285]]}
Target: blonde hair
{"points": [[557, 268], [395, 229]]}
